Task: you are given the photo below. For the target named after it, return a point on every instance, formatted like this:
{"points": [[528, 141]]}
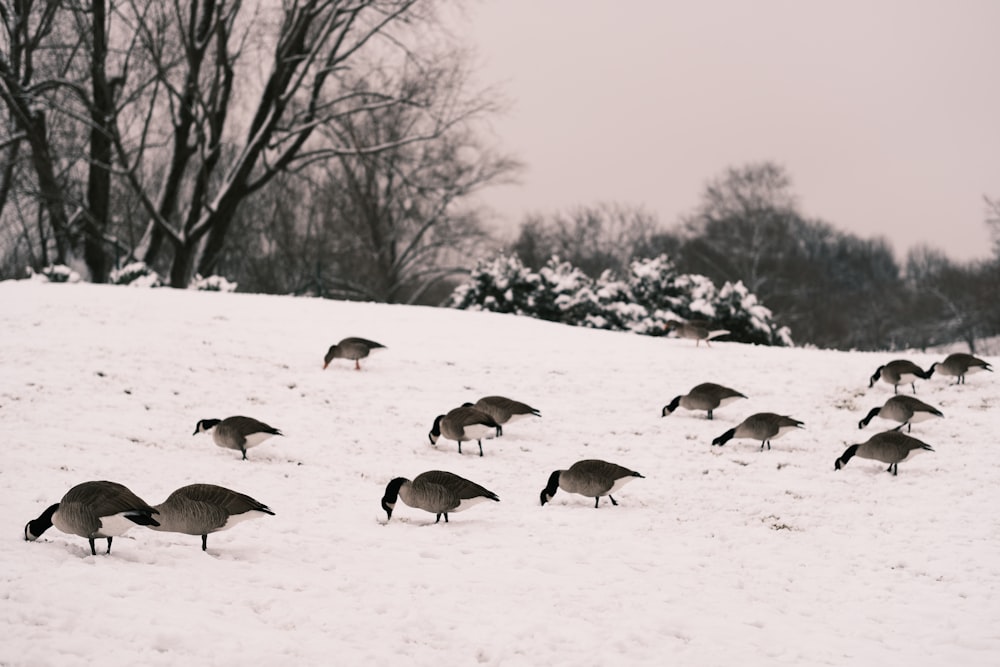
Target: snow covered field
{"points": [[719, 556]]}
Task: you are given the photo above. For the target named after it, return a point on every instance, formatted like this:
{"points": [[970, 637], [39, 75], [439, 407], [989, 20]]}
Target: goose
{"points": [[959, 365], [699, 330], [763, 426], [903, 409], [890, 447], [503, 410], [900, 371], [200, 509], [237, 432], [351, 347], [437, 492], [463, 424], [592, 478], [706, 396], [93, 510]]}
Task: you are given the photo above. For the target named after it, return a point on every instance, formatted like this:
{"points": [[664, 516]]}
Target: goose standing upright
{"points": [[93, 510], [463, 424], [592, 478], [200, 509], [892, 447], [504, 410], [958, 365], [900, 371], [237, 432], [698, 330], [763, 426], [435, 491], [706, 396], [352, 348], [904, 409]]}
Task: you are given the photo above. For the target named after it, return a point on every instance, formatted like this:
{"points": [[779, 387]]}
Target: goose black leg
{"points": [[459, 446], [93, 551], [596, 501], [480, 447], [204, 542], [109, 545], [613, 501], [709, 414]]}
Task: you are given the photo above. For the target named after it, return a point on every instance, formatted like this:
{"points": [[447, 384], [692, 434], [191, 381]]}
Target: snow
{"points": [[721, 555]]}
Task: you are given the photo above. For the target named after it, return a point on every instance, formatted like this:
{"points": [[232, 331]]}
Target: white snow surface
{"points": [[719, 556]]}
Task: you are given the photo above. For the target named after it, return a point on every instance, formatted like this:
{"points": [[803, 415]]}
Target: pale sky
{"points": [[885, 113]]}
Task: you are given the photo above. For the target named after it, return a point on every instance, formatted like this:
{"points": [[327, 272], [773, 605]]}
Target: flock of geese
{"points": [[104, 509]]}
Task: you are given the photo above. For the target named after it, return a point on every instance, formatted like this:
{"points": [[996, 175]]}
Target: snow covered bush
{"points": [[136, 274], [653, 294], [55, 273], [212, 284]]}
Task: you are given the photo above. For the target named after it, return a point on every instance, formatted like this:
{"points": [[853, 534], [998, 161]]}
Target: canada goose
{"points": [[900, 371], [437, 492], [959, 365], [592, 478], [903, 409], [200, 509], [237, 432], [699, 330], [706, 396], [92, 510], [463, 424], [503, 410], [763, 426], [351, 348], [888, 447]]}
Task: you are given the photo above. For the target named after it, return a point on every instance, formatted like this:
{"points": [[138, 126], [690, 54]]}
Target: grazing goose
{"points": [[903, 409], [706, 396], [959, 365], [890, 447], [200, 509], [592, 478], [463, 424], [503, 410], [900, 371], [699, 330], [437, 492], [92, 510], [351, 348], [763, 426], [240, 433]]}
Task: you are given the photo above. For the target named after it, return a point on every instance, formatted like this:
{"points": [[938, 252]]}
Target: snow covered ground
{"points": [[727, 555]]}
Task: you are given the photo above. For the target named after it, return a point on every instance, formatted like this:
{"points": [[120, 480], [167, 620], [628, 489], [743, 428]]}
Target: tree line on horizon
{"points": [[335, 149]]}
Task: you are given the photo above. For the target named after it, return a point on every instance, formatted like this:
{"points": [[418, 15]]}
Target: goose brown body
{"points": [[958, 365], [238, 432], [436, 491], [592, 478], [200, 509], [890, 447], [706, 396], [94, 510], [504, 410], [353, 348], [897, 372], [904, 409], [462, 425], [763, 426]]}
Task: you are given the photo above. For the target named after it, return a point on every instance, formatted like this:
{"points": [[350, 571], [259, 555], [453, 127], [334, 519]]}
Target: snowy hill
{"points": [[721, 555]]}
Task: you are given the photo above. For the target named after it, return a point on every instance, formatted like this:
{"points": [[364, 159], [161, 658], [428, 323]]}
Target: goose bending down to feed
{"points": [[958, 365], [462, 425], [892, 447], [93, 510], [706, 396], [352, 348], [437, 492], [699, 330], [240, 433], [903, 409], [200, 509], [763, 426], [504, 410], [900, 371], [592, 478]]}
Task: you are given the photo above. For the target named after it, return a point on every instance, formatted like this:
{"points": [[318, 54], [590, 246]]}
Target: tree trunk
{"points": [[95, 251]]}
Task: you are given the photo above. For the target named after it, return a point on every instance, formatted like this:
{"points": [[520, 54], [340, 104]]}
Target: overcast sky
{"points": [[885, 113]]}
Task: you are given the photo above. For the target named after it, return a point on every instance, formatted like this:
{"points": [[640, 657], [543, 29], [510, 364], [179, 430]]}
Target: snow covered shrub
{"points": [[55, 273], [212, 284], [501, 285], [747, 320], [136, 274]]}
